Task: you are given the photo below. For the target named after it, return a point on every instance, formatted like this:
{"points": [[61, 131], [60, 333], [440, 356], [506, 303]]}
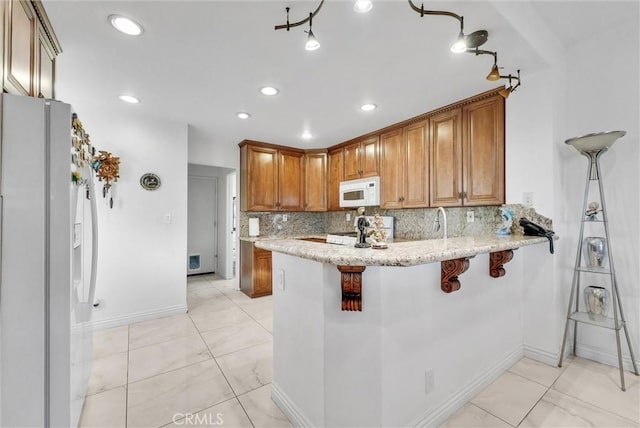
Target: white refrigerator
{"points": [[48, 267]]}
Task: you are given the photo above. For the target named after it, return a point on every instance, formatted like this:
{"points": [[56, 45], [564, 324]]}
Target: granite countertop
{"points": [[409, 253]]}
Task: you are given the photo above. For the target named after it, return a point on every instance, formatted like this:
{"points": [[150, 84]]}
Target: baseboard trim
{"points": [[541, 355], [137, 317], [287, 406], [440, 414], [603, 356]]}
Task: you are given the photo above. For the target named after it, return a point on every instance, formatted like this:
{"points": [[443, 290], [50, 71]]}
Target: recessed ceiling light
{"points": [[368, 107], [243, 115], [125, 25], [362, 6], [269, 90], [129, 99], [307, 135]]}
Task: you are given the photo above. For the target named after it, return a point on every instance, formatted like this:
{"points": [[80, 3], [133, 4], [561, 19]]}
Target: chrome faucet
{"points": [[436, 223]]}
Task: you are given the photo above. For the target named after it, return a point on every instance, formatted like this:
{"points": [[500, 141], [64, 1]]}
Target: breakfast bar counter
{"points": [[367, 337], [408, 253]]}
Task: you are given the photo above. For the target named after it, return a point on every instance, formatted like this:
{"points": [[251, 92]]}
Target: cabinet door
{"points": [[336, 175], [44, 66], [391, 169], [261, 272], [416, 166], [315, 182], [483, 149], [369, 157], [291, 181], [262, 179], [446, 158], [19, 55], [352, 161]]}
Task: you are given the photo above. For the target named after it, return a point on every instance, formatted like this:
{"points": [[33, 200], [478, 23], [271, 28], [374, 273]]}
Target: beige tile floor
{"points": [[213, 367]]}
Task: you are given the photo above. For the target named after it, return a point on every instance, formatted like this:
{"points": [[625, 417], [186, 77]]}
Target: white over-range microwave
{"points": [[364, 192]]}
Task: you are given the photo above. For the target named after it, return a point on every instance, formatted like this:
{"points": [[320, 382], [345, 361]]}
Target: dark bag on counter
{"points": [[532, 229]]}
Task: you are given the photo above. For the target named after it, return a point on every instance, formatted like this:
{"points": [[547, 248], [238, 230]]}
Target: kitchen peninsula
{"points": [[366, 337]]}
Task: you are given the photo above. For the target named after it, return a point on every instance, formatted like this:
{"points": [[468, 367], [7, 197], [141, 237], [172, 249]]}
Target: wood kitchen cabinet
{"points": [[404, 167], [315, 170], [30, 48], [290, 180], [271, 178], [467, 154], [446, 158], [255, 270], [336, 175], [361, 158], [483, 152]]}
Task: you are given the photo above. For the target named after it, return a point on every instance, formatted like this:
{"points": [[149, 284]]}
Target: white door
{"points": [[202, 238]]}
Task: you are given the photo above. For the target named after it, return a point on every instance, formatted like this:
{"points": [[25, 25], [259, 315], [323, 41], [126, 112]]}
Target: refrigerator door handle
{"points": [[94, 237]]}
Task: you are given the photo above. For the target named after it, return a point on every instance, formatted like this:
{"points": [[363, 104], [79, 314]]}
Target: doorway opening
{"points": [[211, 221]]}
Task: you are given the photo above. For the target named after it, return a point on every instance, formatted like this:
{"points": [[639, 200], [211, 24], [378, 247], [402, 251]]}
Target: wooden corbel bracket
{"points": [[450, 269], [351, 282], [497, 261]]}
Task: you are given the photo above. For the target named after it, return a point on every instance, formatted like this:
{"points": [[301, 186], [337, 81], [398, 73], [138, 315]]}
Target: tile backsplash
{"points": [[409, 223]]}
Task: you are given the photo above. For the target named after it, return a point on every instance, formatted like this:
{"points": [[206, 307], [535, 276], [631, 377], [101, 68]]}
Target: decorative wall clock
{"points": [[150, 181]]}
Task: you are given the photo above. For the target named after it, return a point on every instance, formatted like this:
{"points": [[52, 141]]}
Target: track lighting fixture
{"points": [[463, 42], [494, 74], [470, 43], [312, 43], [507, 90]]}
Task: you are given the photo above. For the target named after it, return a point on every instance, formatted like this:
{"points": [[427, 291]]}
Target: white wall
{"points": [[141, 265], [204, 151], [592, 87], [603, 95]]}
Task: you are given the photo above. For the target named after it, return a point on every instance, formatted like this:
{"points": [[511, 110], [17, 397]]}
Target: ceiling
{"points": [[201, 62]]}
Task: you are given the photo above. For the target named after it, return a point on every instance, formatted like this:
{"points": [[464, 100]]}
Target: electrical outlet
{"points": [[429, 381], [527, 199], [348, 216], [285, 217], [470, 217]]}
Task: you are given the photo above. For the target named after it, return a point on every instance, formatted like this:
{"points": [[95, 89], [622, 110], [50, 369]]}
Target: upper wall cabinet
{"points": [[271, 178], [315, 170], [467, 154], [483, 152], [404, 163], [453, 156], [361, 159], [446, 158], [29, 49], [290, 180]]}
